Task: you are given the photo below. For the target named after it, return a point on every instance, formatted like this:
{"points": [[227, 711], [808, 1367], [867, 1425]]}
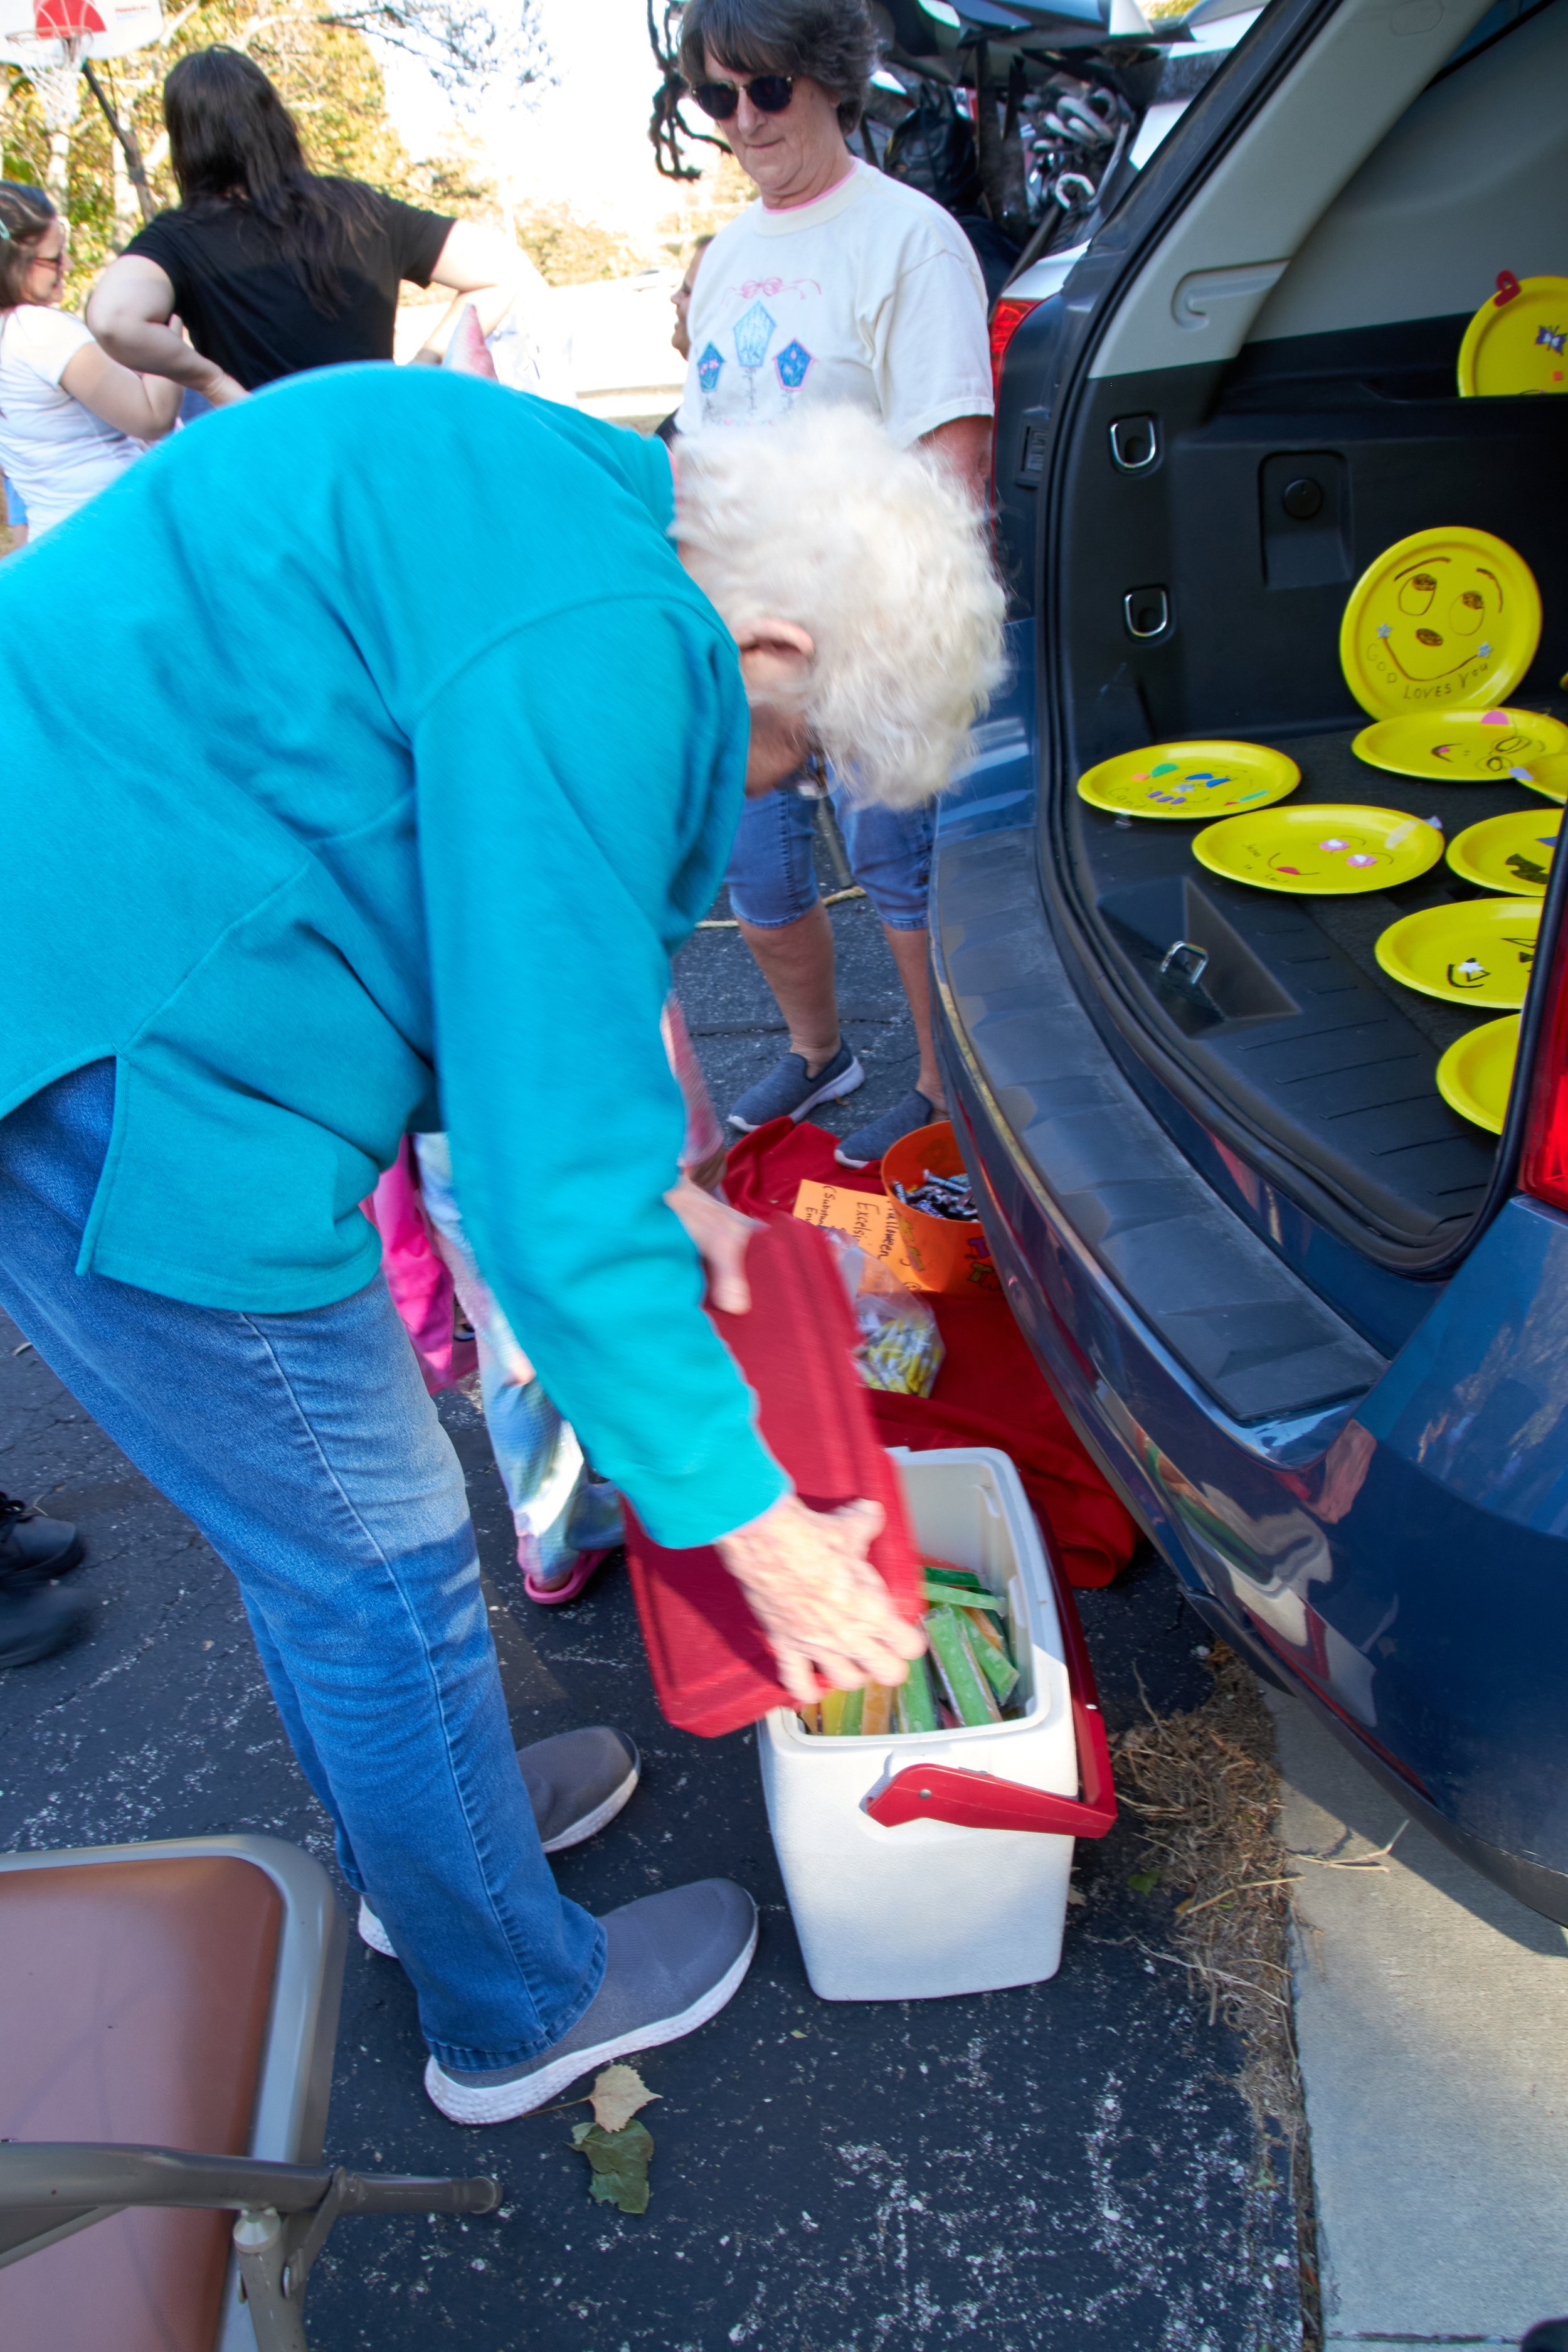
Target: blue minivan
{"points": [[1312, 1322]]}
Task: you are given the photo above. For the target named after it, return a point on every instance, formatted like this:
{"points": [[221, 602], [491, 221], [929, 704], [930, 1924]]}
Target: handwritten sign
{"points": [[867, 1219]]}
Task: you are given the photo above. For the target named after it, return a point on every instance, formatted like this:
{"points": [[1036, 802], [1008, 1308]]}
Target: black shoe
{"points": [[33, 1548], [36, 1620]]}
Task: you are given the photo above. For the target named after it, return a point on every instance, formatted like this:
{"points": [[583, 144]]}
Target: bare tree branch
{"points": [[472, 50], [129, 143]]}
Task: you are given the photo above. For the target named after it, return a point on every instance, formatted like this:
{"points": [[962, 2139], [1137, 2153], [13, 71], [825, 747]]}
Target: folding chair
{"points": [[165, 2058]]}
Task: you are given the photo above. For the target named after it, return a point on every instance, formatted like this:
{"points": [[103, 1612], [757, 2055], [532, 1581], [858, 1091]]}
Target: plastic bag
{"points": [[900, 1347], [933, 149], [526, 351]]}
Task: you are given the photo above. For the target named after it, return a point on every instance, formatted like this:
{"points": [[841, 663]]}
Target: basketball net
{"points": [[58, 89]]}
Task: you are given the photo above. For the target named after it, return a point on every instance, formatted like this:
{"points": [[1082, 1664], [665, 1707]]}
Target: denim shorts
{"points": [[16, 512], [773, 876]]}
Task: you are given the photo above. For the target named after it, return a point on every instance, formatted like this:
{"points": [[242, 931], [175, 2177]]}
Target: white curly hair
{"points": [[877, 551]]}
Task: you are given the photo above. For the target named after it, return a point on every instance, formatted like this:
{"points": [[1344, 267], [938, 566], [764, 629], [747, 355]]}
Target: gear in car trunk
{"points": [[1213, 532]]}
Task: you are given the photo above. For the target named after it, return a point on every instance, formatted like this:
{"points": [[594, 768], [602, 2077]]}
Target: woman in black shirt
{"points": [[273, 267]]}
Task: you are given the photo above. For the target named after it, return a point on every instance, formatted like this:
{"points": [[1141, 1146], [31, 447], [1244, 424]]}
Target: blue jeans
{"points": [[773, 876], [305, 1449], [557, 1508]]}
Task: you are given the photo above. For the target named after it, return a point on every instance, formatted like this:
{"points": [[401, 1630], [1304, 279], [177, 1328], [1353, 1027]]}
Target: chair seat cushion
{"points": [[137, 1996]]}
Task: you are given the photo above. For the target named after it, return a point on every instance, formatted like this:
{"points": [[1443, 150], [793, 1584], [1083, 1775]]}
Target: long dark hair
{"points": [[232, 140], [24, 214]]}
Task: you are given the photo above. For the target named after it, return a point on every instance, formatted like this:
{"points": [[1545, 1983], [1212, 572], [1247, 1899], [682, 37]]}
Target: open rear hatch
{"points": [[1211, 516]]}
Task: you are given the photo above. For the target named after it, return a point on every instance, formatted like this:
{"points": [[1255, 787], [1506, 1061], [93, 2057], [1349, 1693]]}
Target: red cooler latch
{"points": [[983, 1801]]}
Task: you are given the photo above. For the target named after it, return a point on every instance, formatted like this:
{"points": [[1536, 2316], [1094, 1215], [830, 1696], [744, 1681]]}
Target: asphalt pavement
{"points": [[1067, 2167]]}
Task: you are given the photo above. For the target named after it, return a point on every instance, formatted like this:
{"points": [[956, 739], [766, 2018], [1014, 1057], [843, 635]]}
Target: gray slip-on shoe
{"points": [[879, 1135], [576, 1782], [673, 1961], [787, 1092]]}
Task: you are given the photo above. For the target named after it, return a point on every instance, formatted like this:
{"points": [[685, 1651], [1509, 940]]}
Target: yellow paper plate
{"points": [[1320, 851], [1549, 777], [1476, 951], [1510, 853], [1476, 1074], [1464, 747], [1445, 620], [1518, 339], [1206, 777]]}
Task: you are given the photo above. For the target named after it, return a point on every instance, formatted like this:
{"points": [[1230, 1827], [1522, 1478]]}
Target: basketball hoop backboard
{"points": [[37, 33]]}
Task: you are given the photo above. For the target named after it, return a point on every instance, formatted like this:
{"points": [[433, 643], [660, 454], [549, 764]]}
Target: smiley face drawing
{"points": [[1195, 779], [1518, 339], [1445, 620], [1491, 755], [1464, 746], [1334, 853], [1512, 854], [1443, 608], [1321, 851], [1473, 951]]}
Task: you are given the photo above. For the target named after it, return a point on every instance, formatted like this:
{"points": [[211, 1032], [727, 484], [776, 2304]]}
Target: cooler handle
{"points": [[984, 1801]]}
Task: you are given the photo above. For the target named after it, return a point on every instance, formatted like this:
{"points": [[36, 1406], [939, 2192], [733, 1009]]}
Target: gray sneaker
{"points": [[788, 1093], [674, 1960], [880, 1135], [576, 1782]]}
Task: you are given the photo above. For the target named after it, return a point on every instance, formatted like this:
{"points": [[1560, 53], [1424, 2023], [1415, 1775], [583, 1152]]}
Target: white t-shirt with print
{"points": [[870, 295], [55, 451]]}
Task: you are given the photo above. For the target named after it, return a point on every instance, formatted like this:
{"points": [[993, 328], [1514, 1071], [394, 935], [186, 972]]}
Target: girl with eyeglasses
{"points": [[837, 285], [71, 419]]}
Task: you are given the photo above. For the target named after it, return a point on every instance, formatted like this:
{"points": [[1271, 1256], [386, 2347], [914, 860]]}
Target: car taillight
{"points": [[1005, 320], [1545, 1168]]}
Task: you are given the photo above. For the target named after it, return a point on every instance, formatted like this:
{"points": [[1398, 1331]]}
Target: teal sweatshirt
{"points": [[365, 754]]}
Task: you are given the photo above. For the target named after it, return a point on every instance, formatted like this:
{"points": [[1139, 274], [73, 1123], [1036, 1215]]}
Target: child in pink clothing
{"points": [[567, 1519]]}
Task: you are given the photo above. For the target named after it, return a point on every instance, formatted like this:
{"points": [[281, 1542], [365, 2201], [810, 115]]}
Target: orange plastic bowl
{"points": [[948, 1257]]}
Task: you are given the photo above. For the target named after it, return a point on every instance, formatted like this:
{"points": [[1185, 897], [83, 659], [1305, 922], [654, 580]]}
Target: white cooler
{"points": [[919, 1864]]}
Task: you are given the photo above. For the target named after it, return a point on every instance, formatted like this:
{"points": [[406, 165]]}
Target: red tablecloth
{"points": [[989, 1391]]}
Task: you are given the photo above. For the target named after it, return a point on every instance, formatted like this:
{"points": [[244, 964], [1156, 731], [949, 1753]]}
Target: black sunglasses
{"points": [[769, 93]]}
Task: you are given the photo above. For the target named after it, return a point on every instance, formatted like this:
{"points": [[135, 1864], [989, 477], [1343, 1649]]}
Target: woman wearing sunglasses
{"points": [[71, 419], [841, 285]]}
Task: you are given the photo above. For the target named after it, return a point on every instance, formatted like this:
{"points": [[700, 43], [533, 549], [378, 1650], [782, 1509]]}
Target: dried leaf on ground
{"points": [[620, 2161], [617, 2093]]}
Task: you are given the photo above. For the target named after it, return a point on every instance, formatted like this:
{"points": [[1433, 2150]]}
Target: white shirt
{"points": [[870, 295], [56, 453]]}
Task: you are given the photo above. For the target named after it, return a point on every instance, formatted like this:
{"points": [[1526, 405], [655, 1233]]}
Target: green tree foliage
{"points": [[326, 71], [568, 250]]}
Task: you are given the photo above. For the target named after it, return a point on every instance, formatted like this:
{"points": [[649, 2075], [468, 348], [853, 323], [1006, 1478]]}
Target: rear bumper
{"points": [[1285, 1468], [1094, 1200]]}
